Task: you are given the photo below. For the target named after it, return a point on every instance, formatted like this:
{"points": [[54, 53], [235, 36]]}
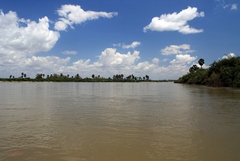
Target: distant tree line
{"points": [[77, 78], [224, 73]]}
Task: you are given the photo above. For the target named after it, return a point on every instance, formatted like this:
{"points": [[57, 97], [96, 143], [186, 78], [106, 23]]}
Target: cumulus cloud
{"points": [[22, 39], [67, 52], [111, 58], [177, 49], [30, 38], [155, 61], [183, 59], [228, 56], [74, 14], [44, 64], [109, 63], [175, 22]]}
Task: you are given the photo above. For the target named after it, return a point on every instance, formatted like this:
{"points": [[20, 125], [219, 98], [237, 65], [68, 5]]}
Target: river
{"points": [[50, 121]]}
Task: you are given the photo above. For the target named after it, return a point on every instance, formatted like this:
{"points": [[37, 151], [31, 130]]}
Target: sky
{"points": [[162, 39]]}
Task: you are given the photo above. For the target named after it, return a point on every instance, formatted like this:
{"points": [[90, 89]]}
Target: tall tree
{"points": [[77, 76], [193, 68], [39, 76], [201, 62], [122, 76], [147, 77]]}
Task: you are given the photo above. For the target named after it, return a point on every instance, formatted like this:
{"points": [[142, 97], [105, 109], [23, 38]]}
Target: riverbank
{"points": [[224, 73], [76, 80]]}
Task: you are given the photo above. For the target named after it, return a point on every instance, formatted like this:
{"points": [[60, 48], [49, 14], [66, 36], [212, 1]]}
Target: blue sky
{"points": [[162, 39]]}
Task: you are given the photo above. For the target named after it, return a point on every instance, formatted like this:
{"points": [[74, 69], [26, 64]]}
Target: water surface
{"points": [[118, 122]]}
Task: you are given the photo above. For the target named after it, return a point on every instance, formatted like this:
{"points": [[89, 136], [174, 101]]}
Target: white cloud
{"points": [[45, 64], [228, 56], [32, 38], [183, 59], [67, 52], [144, 66], [109, 63], [20, 39], [231, 6], [74, 14], [132, 45], [117, 45], [175, 22], [111, 58], [234, 7], [155, 61], [177, 49], [223, 4]]}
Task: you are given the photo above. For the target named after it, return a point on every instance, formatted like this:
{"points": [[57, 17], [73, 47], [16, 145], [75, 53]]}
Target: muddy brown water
{"points": [[52, 121]]}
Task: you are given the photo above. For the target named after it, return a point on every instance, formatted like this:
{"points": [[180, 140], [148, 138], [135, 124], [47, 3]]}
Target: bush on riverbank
{"points": [[224, 73]]}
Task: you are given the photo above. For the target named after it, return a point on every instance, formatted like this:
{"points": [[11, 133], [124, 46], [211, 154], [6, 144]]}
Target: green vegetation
{"points": [[224, 73], [77, 78]]}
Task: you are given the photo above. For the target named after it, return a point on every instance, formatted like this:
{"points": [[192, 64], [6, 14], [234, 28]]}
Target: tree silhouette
{"points": [[193, 68], [201, 62], [147, 77], [77, 76]]}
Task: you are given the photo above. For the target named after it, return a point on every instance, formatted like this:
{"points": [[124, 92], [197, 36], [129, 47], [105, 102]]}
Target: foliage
{"points": [[225, 72], [201, 62], [40, 77]]}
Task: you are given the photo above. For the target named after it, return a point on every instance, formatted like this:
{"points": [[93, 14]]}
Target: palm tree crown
{"points": [[201, 62]]}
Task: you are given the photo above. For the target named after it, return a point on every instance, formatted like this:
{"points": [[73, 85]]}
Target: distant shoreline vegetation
{"points": [[224, 73], [77, 78]]}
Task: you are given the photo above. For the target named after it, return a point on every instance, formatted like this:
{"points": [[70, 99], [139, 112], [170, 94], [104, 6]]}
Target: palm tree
{"points": [[201, 62], [147, 77], [39, 76], [122, 76], [93, 76], [10, 76], [193, 68], [77, 76], [133, 77]]}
